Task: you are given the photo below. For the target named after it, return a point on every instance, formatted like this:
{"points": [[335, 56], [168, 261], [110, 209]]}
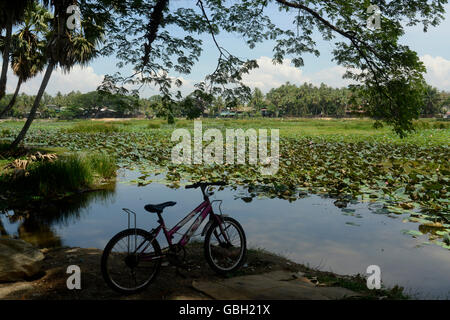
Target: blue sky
{"points": [[433, 47]]}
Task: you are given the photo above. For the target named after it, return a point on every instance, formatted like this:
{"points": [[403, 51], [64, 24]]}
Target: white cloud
{"points": [[438, 71], [270, 75], [266, 77], [82, 79]]}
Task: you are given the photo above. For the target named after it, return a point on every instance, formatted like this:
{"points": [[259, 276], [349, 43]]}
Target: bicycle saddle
{"points": [[159, 207]]}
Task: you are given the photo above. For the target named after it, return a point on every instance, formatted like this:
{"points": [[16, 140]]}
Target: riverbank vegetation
{"points": [[29, 175]]}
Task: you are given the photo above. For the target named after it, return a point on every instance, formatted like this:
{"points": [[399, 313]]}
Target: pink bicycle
{"points": [[132, 258]]}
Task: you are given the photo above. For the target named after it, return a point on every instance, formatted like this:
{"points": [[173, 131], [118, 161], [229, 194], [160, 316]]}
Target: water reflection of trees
{"points": [[36, 224]]}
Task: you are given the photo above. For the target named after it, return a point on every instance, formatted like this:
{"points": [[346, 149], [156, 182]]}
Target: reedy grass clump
{"points": [[67, 174], [102, 164]]}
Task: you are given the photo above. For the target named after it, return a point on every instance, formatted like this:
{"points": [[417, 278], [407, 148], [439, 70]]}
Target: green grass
{"points": [[70, 173], [4, 162], [93, 127], [153, 125], [102, 164], [428, 131], [5, 132], [358, 283]]}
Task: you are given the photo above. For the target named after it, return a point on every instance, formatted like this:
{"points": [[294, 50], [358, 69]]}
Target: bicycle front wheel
{"points": [[130, 261], [225, 246]]}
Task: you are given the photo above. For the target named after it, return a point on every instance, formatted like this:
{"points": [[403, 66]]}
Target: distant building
{"points": [[227, 114], [354, 111], [266, 113], [55, 108], [447, 115], [243, 110], [106, 112], [206, 113]]}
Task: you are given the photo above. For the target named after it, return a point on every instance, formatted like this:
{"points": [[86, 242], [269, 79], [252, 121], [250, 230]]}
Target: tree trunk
{"points": [[33, 110], [13, 100], [5, 58]]}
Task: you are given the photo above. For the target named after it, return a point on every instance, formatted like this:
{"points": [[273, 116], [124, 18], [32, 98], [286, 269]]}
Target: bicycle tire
{"points": [[107, 254], [207, 247]]}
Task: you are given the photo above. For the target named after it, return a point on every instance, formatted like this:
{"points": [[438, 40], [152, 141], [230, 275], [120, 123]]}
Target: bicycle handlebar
{"points": [[205, 184]]}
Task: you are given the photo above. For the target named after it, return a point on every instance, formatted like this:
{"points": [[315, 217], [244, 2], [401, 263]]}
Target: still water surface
{"points": [[311, 231]]}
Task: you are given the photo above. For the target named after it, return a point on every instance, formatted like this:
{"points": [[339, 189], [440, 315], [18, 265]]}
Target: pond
{"points": [[311, 231]]}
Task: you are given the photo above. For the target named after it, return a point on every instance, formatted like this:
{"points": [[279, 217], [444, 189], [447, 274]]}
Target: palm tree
{"points": [[11, 12], [65, 48], [27, 57]]}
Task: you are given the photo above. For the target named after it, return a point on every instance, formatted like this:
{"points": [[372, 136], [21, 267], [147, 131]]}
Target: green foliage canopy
{"points": [[389, 73]]}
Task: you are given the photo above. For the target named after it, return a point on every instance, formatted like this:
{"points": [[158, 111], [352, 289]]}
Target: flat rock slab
{"points": [[19, 260], [7, 290], [278, 285]]}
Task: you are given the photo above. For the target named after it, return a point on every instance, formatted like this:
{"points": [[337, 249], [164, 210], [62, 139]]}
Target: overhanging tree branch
{"points": [[356, 42], [346, 34], [155, 21]]}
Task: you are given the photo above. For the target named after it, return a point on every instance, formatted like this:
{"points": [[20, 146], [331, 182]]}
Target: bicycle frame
{"points": [[204, 209]]}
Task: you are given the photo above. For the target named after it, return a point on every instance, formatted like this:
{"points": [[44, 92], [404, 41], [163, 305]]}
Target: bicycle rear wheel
{"points": [[130, 262], [225, 246]]}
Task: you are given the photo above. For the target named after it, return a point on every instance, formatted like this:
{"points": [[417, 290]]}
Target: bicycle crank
{"points": [[177, 255]]}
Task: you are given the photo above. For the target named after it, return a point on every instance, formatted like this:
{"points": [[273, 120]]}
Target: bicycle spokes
{"points": [[226, 245], [131, 262]]}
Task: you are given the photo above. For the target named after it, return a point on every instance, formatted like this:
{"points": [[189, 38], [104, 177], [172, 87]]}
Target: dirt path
{"points": [[200, 282], [169, 284]]}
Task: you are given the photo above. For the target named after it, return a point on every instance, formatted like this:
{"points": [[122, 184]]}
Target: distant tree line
{"points": [[75, 105], [43, 35], [308, 100], [288, 100]]}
